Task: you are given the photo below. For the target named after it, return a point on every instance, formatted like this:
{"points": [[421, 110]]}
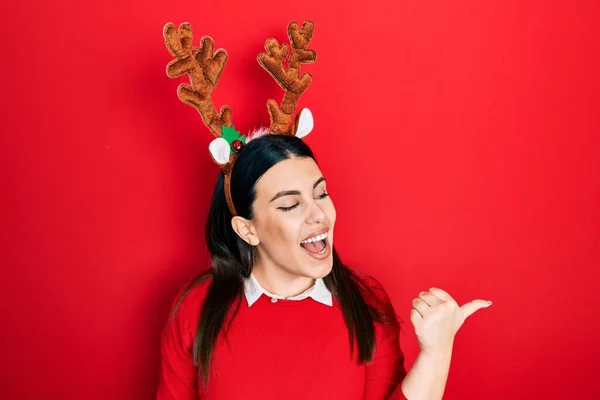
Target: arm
{"points": [[385, 373], [425, 380], [436, 318], [178, 379], [427, 377]]}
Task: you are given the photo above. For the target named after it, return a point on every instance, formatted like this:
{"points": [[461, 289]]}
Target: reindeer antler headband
{"points": [[204, 69]]}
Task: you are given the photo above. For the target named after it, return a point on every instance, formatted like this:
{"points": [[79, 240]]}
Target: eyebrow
{"points": [[294, 192]]}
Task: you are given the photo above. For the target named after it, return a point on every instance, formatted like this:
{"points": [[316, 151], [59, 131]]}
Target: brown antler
{"points": [[289, 79], [204, 69]]}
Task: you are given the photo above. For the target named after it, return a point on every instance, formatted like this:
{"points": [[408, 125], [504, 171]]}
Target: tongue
{"points": [[315, 247]]}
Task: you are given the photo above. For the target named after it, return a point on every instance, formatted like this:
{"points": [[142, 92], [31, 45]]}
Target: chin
{"points": [[322, 269]]}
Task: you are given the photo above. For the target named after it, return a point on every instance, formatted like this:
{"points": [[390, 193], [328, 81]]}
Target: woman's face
{"points": [[294, 219]]}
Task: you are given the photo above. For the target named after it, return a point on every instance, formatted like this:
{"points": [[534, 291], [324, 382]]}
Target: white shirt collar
{"points": [[318, 292]]}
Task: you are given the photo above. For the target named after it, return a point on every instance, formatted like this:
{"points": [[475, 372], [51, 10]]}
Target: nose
{"points": [[316, 214]]}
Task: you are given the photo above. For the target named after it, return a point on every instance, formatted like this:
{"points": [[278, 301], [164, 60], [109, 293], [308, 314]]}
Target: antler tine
{"points": [[204, 69], [289, 79]]}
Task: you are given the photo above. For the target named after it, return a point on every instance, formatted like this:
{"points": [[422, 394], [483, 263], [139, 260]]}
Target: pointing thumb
{"points": [[469, 308]]}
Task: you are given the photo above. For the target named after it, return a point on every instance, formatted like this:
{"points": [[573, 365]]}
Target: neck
{"points": [[280, 282]]}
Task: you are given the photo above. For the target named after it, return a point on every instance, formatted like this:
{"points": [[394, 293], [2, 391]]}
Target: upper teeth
{"points": [[315, 238]]}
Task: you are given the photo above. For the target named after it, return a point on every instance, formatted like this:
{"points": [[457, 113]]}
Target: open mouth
{"points": [[316, 244]]}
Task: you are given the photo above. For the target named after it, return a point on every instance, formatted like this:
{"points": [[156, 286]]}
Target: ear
{"points": [[245, 229], [305, 123], [220, 150]]}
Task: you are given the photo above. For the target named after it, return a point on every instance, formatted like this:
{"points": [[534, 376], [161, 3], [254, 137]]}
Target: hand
{"points": [[436, 318]]}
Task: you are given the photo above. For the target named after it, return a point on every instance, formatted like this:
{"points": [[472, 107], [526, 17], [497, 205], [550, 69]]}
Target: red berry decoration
{"points": [[237, 145]]}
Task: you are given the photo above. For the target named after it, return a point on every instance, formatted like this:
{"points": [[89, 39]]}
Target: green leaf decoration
{"points": [[231, 135]]}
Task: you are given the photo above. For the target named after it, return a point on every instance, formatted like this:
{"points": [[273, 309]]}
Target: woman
{"points": [[279, 316]]}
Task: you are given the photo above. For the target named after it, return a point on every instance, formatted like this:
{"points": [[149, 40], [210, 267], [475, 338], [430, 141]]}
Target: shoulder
{"points": [[375, 296], [179, 331], [188, 302], [370, 286]]}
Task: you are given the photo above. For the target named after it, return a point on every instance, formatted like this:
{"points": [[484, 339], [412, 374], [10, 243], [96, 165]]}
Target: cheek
{"points": [[282, 231], [330, 213]]}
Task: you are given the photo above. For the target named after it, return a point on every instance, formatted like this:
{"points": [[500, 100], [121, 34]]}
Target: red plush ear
{"points": [[288, 78]]}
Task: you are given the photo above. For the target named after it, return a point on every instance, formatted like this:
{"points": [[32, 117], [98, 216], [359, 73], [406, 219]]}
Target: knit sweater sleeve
{"points": [[178, 378], [386, 372]]}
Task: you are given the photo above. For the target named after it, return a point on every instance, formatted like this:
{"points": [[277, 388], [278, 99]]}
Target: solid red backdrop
{"points": [[460, 140]]}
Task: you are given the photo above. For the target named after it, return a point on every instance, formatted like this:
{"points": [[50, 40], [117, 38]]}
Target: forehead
{"points": [[295, 173]]}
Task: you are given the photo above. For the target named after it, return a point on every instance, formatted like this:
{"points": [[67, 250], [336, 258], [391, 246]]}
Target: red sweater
{"points": [[290, 349]]}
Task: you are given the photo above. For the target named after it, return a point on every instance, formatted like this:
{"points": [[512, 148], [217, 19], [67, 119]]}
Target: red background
{"points": [[460, 139]]}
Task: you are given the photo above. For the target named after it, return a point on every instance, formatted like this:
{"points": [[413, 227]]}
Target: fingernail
{"points": [[489, 303]]}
